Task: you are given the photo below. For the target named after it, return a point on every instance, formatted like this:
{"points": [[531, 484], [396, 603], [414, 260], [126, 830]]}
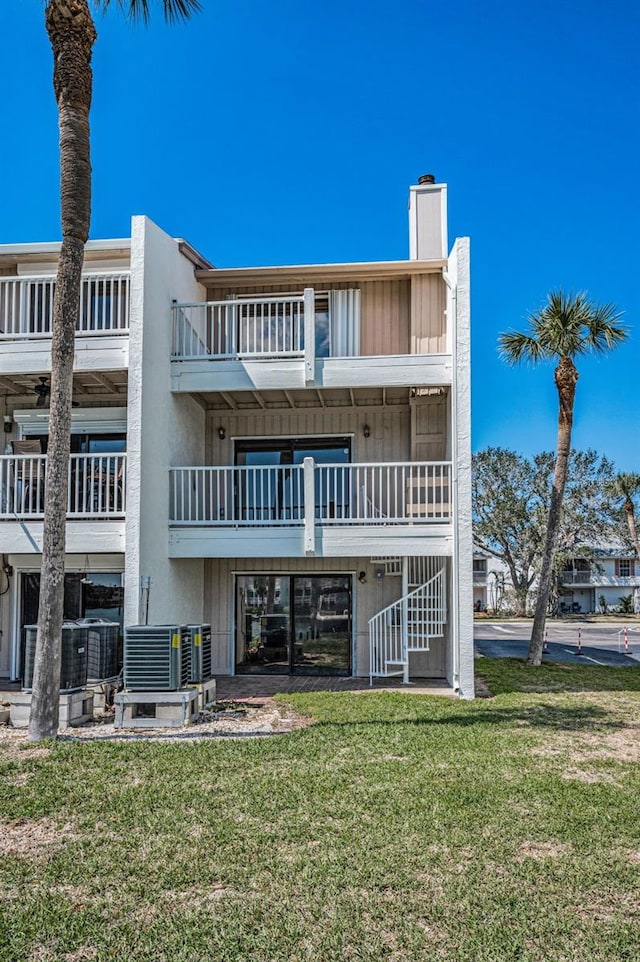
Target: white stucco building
{"points": [[283, 452], [600, 581]]}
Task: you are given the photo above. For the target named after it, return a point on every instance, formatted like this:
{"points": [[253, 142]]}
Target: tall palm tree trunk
{"points": [[630, 515], [72, 34], [566, 377]]}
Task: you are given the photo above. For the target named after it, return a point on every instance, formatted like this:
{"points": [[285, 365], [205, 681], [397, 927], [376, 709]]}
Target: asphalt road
{"points": [[601, 643]]}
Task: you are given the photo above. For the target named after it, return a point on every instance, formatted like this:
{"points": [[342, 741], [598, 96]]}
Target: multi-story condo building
{"points": [[283, 451], [601, 581]]}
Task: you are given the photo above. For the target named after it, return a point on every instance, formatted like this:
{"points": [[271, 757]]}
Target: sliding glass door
{"points": [[293, 624], [273, 490]]}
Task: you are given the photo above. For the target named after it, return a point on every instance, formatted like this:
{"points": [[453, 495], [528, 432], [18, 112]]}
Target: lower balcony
{"points": [[335, 510], [96, 494]]}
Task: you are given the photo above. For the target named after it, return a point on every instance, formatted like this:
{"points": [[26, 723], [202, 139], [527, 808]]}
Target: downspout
{"points": [[455, 620]]}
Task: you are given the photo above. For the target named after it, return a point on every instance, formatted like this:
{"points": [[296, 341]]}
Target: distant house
{"points": [[491, 581], [480, 564], [601, 577]]}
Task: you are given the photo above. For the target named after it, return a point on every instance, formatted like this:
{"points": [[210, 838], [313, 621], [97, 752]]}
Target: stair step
{"points": [[396, 661]]}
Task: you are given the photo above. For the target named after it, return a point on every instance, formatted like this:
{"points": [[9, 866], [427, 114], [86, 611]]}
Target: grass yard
{"points": [[397, 827]]}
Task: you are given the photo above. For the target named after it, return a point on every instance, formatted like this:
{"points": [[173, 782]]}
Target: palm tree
{"points": [[566, 327], [626, 486], [72, 33]]}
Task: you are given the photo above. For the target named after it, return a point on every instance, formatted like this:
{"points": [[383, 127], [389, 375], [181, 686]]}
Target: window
{"points": [[277, 495], [625, 568]]}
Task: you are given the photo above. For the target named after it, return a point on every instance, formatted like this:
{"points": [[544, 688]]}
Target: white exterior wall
{"points": [[459, 308], [163, 431], [428, 222]]}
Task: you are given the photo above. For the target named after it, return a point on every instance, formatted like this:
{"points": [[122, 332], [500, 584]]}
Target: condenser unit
{"points": [[73, 666], [200, 640], [102, 639], [156, 657]]}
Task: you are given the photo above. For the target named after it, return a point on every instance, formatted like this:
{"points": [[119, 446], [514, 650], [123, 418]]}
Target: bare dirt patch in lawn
{"points": [[540, 850], [13, 746], [620, 745], [33, 837], [589, 778]]}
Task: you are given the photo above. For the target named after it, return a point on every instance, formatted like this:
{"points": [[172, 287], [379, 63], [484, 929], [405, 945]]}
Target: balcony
{"points": [[312, 339], [96, 486], [26, 322], [309, 508], [597, 579]]}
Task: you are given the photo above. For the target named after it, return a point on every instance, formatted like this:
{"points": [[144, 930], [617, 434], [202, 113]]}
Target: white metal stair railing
{"points": [[406, 625]]}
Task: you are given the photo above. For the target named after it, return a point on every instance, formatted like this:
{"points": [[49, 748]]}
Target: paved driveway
{"points": [[601, 643]]}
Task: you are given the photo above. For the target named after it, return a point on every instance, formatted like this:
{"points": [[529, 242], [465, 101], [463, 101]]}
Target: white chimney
{"points": [[428, 220]]}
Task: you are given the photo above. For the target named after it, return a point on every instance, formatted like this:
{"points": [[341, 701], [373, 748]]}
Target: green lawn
{"points": [[398, 827]]}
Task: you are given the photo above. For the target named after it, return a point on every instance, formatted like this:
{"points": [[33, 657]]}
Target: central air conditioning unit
{"points": [[102, 638], [73, 667], [200, 639], [156, 657]]}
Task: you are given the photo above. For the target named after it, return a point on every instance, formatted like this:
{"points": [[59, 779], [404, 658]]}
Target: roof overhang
{"points": [[304, 273]]}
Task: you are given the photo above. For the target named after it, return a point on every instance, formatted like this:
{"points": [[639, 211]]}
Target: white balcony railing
{"points": [[26, 306], [262, 327], [248, 496], [96, 486], [597, 579], [324, 494]]}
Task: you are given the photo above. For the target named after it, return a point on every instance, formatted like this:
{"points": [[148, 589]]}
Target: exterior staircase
{"points": [[407, 624]]}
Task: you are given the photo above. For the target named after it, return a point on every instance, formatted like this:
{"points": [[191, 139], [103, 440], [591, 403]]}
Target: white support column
{"points": [[309, 335], [308, 468], [405, 620]]}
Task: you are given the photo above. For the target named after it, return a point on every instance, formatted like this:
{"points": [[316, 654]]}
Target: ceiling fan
{"points": [[43, 390]]}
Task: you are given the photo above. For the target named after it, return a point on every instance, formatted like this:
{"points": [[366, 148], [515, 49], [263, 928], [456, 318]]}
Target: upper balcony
{"points": [[389, 333], [26, 320], [592, 578]]}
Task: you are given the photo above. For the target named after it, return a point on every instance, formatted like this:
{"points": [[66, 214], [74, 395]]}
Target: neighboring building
{"points": [[480, 571], [606, 575], [281, 451]]}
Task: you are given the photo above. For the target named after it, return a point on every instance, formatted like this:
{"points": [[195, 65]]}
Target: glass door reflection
{"points": [[322, 624], [293, 624]]}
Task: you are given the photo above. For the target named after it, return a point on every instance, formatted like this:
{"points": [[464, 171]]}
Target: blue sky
{"points": [[289, 132]]}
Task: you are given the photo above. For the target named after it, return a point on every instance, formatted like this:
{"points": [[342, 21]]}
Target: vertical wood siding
{"points": [[388, 441], [385, 318], [428, 322], [429, 429]]}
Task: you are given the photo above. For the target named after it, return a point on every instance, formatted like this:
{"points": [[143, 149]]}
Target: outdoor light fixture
{"points": [[86, 578], [362, 577], [366, 430], [222, 433], [8, 424]]}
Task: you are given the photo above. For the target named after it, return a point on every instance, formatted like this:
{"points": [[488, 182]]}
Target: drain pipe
{"points": [[455, 620]]}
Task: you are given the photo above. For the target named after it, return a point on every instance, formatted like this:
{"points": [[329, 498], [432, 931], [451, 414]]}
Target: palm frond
{"points": [[604, 330], [516, 348], [172, 10], [625, 485], [567, 325]]}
